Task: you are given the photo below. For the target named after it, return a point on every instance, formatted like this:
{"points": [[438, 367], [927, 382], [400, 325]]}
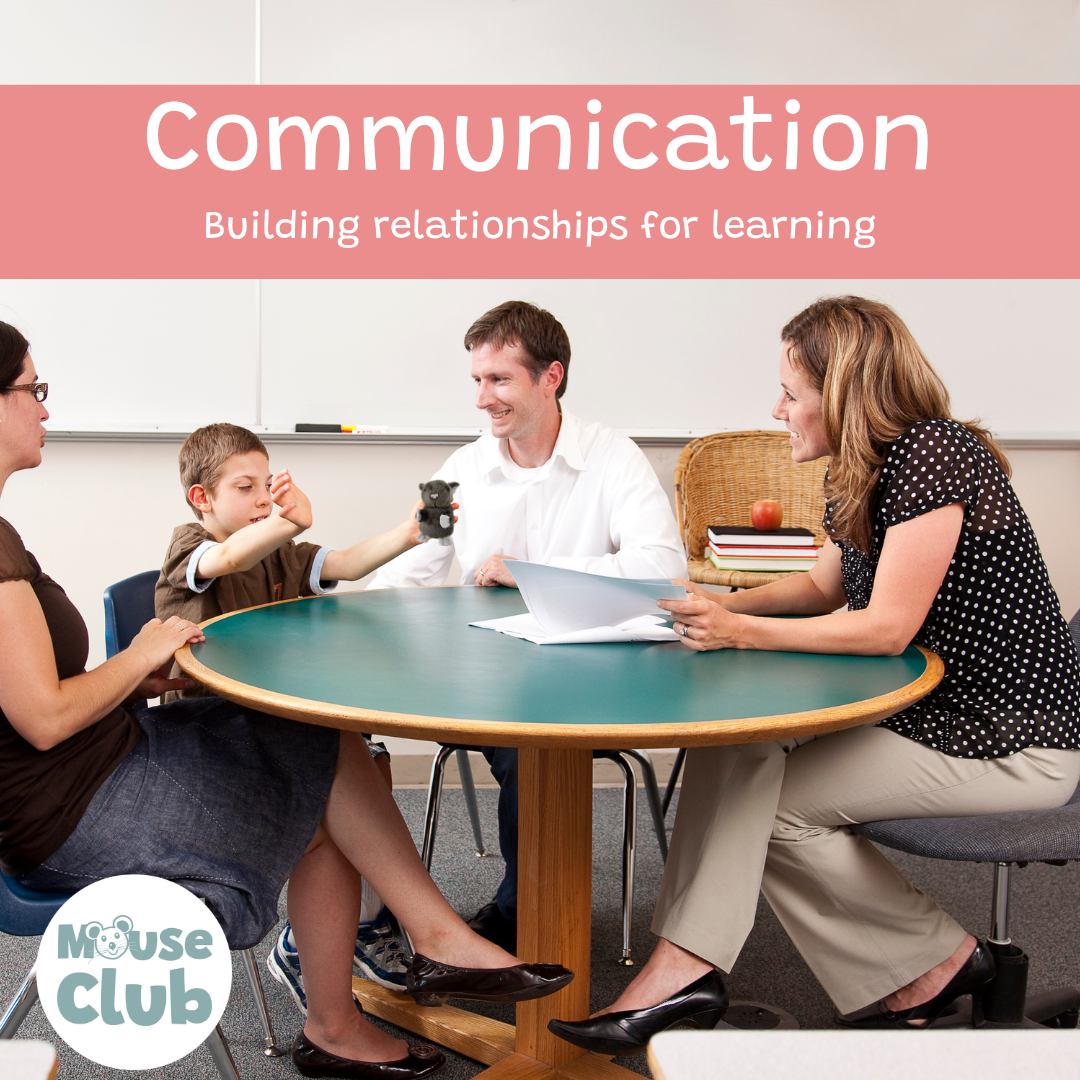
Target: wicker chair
{"points": [[720, 477], [717, 480]]}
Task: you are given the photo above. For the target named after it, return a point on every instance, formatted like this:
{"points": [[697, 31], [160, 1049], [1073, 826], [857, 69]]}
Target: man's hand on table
{"points": [[496, 572]]}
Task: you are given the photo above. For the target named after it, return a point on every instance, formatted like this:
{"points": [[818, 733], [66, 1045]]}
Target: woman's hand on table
{"points": [[157, 641], [45, 709], [702, 620]]}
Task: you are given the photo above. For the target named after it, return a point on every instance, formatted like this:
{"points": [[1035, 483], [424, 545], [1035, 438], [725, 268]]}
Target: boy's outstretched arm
{"points": [[361, 559], [250, 545]]}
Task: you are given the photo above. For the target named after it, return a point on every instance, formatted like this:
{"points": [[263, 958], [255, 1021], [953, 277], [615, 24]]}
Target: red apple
{"points": [[766, 515]]}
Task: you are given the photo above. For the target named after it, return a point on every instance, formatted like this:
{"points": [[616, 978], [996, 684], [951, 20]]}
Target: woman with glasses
{"points": [[927, 544], [228, 803]]}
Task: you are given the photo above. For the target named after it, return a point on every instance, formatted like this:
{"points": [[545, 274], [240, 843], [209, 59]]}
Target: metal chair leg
{"points": [[622, 759], [20, 1005], [999, 918], [468, 789], [652, 794], [434, 798], [673, 780], [270, 1044], [222, 1055]]}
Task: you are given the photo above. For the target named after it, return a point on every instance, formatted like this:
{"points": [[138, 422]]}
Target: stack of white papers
{"points": [[567, 607]]}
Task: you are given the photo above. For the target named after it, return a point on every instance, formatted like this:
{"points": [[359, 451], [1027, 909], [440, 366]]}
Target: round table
{"points": [[406, 662]]}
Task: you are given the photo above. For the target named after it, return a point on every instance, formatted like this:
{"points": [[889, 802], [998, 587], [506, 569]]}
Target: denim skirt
{"points": [[218, 798]]}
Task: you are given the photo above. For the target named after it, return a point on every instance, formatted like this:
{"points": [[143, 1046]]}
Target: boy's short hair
{"points": [[204, 453]]}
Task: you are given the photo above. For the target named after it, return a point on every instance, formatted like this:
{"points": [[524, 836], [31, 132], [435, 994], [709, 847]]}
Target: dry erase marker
{"points": [[339, 429]]}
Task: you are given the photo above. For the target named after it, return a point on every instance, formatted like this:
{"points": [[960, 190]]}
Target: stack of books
{"points": [[733, 547]]}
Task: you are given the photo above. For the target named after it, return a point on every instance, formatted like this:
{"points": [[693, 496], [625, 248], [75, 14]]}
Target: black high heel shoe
{"points": [[973, 978], [703, 1003]]}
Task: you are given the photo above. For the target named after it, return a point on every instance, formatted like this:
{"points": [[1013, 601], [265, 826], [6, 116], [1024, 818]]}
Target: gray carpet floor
{"points": [[1043, 922]]}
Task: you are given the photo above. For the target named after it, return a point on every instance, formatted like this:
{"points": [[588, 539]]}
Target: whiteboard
{"points": [[664, 358], [661, 357], [140, 355]]}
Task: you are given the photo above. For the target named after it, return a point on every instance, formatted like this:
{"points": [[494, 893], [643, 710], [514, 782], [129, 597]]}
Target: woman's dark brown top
{"points": [[43, 793]]}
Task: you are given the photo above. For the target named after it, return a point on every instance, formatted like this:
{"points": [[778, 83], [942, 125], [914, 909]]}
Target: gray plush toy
{"points": [[436, 516]]}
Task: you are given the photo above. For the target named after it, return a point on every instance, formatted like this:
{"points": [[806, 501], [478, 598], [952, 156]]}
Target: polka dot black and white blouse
{"points": [[1012, 675]]}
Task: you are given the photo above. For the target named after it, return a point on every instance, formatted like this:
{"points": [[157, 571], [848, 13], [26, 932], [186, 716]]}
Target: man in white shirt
{"points": [[545, 487]]}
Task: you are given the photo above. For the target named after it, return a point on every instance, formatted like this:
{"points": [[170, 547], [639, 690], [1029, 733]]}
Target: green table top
{"points": [[408, 659]]}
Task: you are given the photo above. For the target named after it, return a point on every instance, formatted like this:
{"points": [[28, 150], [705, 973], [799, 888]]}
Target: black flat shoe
{"points": [[490, 923], [703, 1003], [431, 982], [311, 1060], [973, 978]]}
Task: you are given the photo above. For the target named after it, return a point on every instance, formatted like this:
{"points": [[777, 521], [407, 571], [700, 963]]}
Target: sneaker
{"points": [[379, 954], [284, 964]]}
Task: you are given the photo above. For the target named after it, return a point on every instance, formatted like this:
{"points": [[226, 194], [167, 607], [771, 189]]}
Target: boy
{"points": [[240, 554]]}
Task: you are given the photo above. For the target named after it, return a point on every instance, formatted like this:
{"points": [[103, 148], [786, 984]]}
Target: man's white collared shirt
{"points": [[595, 505]]}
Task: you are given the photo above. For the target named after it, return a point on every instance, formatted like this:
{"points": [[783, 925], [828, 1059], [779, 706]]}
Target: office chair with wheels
{"points": [[129, 605], [622, 758], [1049, 836], [26, 913]]}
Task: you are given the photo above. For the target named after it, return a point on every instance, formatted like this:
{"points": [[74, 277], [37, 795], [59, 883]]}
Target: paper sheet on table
{"points": [[647, 628], [572, 606]]}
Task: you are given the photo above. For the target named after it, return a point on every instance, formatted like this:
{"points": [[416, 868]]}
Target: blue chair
{"points": [[26, 913], [129, 605], [1049, 836]]}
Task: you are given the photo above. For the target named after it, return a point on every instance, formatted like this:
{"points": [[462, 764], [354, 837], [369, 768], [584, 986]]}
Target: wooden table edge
{"points": [[568, 736]]}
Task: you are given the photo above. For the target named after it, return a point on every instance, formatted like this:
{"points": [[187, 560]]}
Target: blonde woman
{"points": [[928, 544]]}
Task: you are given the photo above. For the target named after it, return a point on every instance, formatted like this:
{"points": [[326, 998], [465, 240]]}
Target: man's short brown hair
{"points": [[204, 453], [538, 334]]}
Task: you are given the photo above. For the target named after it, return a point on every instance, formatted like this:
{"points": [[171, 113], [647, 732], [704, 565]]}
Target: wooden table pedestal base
{"points": [[554, 926]]}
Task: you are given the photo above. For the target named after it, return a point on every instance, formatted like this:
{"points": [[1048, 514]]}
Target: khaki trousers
{"points": [[771, 816]]}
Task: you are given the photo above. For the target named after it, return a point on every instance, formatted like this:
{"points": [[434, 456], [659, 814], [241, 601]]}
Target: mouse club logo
{"points": [[134, 972]]}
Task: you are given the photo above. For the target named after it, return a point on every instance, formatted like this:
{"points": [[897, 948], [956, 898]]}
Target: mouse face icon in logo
{"points": [[110, 941]]}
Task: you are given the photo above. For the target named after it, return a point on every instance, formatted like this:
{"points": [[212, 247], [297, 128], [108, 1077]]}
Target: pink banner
{"points": [[540, 181]]}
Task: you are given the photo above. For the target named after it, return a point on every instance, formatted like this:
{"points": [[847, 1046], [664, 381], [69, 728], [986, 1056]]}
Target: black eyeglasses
{"points": [[40, 390]]}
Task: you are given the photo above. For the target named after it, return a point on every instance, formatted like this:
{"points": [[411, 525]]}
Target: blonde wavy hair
{"points": [[875, 382]]}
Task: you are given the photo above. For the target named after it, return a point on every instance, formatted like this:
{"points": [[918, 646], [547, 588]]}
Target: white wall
{"points": [[686, 357], [541, 41]]}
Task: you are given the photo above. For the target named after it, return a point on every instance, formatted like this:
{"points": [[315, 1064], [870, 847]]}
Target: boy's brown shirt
{"points": [[284, 574]]}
